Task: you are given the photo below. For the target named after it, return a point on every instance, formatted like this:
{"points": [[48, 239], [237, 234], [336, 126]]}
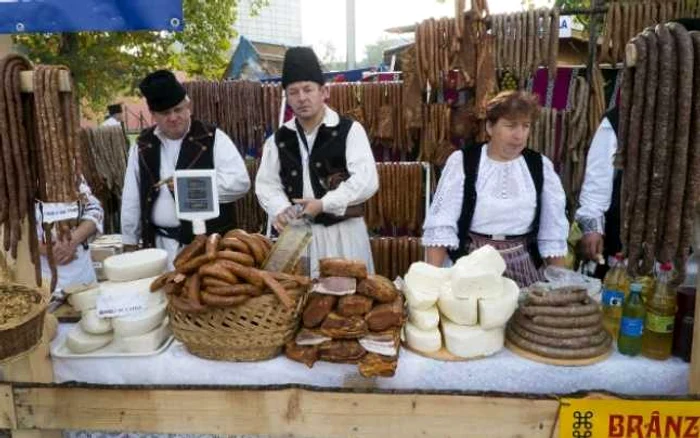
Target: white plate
{"points": [[60, 350]]}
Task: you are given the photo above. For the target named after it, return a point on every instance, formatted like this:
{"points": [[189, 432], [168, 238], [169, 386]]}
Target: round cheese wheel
{"points": [[84, 301], [136, 265], [141, 323], [95, 325], [78, 341]]}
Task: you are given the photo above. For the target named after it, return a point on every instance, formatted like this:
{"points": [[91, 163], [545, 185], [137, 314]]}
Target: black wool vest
{"points": [[472, 158], [196, 152], [326, 161], [612, 243]]}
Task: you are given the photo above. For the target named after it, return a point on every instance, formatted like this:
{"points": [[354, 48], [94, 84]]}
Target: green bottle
{"points": [[632, 324]]}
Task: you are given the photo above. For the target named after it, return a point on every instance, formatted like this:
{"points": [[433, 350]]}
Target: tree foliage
{"points": [[107, 64]]}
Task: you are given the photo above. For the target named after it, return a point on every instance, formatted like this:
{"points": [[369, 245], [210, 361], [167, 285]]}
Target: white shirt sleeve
{"points": [[92, 210], [554, 226], [131, 204], [440, 227], [232, 178], [268, 185], [596, 192], [363, 182]]}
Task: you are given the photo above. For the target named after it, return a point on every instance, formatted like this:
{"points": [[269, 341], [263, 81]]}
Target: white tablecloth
{"points": [[503, 372]]}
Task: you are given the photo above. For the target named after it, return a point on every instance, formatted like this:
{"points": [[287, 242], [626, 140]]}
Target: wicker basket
{"points": [[19, 336], [253, 331]]}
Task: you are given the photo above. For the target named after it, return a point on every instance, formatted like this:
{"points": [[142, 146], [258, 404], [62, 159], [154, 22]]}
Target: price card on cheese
{"points": [[112, 304], [591, 418]]}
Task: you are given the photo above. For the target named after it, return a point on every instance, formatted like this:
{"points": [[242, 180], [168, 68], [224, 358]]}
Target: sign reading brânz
{"points": [[588, 418]]}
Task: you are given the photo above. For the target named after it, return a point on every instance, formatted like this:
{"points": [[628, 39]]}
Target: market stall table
{"points": [[504, 372]]}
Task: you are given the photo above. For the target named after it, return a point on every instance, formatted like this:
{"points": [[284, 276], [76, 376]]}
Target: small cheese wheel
{"points": [[472, 284], [146, 342], [136, 265], [495, 312], [80, 342], [426, 341], [484, 259], [140, 323], [424, 319], [84, 301], [472, 342], [91, 323], [460, 311], [423, 283]]}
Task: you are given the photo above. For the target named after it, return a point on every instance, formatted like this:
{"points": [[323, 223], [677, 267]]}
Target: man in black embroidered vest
{"points": [[175, 142], [320, 161]]}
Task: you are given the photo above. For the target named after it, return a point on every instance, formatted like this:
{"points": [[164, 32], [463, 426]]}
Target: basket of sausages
{"points": [[223, 306]]}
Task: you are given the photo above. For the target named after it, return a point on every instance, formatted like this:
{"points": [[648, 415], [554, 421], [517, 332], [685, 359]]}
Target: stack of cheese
{"points": [[464, 308], [130, 276], [351, 317]]}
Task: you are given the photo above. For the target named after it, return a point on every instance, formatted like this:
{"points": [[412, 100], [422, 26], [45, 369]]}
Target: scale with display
{"points": [[196, 197]]}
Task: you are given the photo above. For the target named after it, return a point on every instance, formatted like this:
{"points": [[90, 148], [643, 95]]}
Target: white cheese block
{"points": [[424, 319], [472, 342], [426, 341], [423, 283], [95, 325], [146, 342], [495, 312], [84, 301], [80, 342], [461, 311], [140, 288], [136, 265], [139, 324], [473, 284], [484, 259]]}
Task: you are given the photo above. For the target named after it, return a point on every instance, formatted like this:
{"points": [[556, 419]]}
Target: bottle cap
{"points": [[635, 287]]}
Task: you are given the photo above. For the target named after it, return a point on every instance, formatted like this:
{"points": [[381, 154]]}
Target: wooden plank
{"points": [[7, 408], [27, 81], [294, 412]]}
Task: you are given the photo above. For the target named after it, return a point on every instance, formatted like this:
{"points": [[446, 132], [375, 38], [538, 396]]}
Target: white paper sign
{"points": [[566, 26], [59, 211], [112, 305]]}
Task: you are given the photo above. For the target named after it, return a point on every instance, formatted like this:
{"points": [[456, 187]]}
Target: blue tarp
{"points": [[31, 16]]}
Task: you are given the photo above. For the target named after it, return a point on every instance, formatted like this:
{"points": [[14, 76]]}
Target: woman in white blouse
{"points": [[501, 194]]}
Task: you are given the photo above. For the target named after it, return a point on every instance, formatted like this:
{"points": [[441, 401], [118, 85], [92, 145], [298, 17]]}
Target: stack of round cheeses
{"points": [[464, 308], [130, 273]]}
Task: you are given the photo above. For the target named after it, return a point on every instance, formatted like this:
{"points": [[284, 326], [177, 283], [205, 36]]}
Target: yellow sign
{"points": [[590, 418]]}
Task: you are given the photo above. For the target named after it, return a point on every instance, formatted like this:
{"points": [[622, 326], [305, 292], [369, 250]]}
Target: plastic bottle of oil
{"points": [[632, 325], [615, 289], [657, 340]]}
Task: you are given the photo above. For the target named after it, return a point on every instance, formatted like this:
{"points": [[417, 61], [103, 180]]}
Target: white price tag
{"points": [[59, 211], [112, 305], [97, 265]]}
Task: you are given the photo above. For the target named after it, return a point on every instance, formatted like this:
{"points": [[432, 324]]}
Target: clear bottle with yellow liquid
{"points": [[615, 289], [657, 340]]}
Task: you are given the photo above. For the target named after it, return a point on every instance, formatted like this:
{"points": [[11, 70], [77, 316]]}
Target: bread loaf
{"points": [[341, 351], [338, 267], [386, 316], [354, 305], [318, 307], [341, 327], [378, 288]]}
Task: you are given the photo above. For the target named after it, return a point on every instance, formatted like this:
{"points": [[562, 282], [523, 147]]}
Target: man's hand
{"points": [[312, 207], [283, 218], [64, 251], [592, 245]]}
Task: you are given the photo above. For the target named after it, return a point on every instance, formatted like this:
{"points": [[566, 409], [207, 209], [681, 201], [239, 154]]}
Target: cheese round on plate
{"points": [[461, 311], [80, 342], [146, 342], [140, 323], [424, 319], [84, 301], [472, 342], [136, 265], [426, 341], [423, 283], [495, 312], [95, 325]]}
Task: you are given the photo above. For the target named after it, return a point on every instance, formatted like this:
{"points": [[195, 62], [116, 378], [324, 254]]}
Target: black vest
{"points": [[327, 159], [472, 158], [612, 243], [196, 152]]}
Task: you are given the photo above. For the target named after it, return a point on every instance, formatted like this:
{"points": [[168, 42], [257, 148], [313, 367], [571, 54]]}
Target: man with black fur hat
{"points": [[116, 115], [175, 142], [321, 162]]}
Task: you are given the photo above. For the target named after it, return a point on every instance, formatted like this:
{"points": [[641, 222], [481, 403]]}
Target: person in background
{"points": [[177, 141], [501, 194], [319, 161], [72, 257], [115, 117]]}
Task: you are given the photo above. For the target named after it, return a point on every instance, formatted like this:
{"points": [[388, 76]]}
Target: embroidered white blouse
{"points": [[505, 205]]}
